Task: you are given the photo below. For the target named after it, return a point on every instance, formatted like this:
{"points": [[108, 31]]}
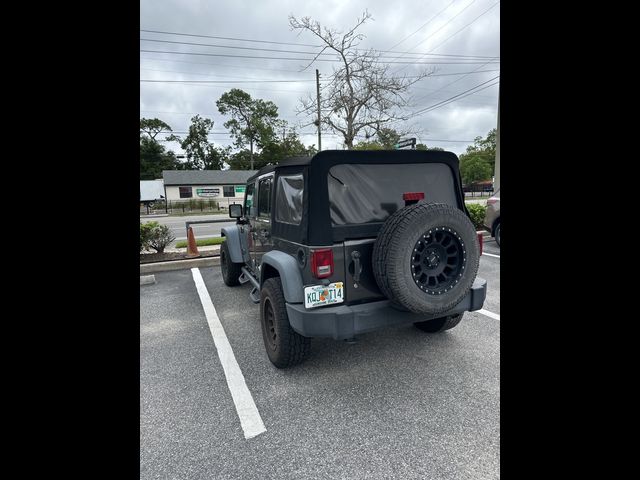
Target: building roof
{"points": [[206, 177]]}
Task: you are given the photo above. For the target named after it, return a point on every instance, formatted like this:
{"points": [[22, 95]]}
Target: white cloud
{"points": [[464, 119]]}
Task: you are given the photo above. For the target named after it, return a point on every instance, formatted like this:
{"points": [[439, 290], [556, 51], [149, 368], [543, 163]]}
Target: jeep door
{"points": [[261, 223]]}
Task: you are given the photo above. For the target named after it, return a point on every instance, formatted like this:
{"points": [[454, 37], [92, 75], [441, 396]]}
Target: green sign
{"points": [[240, 190]]}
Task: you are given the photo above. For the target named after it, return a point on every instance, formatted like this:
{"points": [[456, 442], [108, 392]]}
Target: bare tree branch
{"points": [[361, 95]]}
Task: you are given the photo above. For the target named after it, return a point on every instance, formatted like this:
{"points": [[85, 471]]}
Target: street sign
{"points": [[409, 142]]}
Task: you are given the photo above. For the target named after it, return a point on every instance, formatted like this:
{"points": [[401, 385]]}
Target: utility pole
{"points": [[318, 92]]}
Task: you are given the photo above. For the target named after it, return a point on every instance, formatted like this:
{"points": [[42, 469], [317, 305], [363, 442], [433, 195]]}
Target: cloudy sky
{"points": [[450, 36]]}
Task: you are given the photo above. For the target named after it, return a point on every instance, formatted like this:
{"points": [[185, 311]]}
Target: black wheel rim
{"points": [[438, 260], [269, 324]]}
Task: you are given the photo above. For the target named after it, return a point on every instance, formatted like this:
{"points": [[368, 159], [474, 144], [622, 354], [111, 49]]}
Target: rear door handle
{"points": [[357, 268]]}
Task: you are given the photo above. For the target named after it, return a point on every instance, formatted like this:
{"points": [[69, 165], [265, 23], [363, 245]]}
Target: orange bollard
{"points": [[192, 248]]}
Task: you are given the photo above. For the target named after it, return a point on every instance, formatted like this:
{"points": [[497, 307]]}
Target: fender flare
{"points": [[289, 272], [233, 243]]}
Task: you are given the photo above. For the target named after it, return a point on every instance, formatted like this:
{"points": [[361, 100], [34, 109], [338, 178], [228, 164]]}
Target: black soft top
{"points": [[287, 162], [316, 168]]}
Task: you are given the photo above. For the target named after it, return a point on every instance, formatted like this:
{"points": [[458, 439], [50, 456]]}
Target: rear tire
{"points": [[497, 234], [439, 324], [230, 271], [285, 347]]}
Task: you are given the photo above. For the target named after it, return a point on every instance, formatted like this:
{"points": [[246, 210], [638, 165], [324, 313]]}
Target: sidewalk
{"points": [[207, 248]]}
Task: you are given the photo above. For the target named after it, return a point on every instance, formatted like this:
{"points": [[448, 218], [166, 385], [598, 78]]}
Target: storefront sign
{"points": [[240, 190], [208, 192]]}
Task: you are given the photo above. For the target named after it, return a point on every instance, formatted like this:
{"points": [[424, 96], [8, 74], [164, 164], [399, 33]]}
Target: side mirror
{"points": [[235, 211]]}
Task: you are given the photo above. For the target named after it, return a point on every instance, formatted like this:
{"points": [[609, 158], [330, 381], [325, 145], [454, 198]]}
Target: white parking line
{"points": [[491, 254], [245, 406], [495, 316]]}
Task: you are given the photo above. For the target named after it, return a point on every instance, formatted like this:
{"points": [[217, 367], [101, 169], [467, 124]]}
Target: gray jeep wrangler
{"points": [[347, 242]]}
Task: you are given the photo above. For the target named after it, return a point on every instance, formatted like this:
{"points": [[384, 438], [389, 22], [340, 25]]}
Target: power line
{"points": [[468, 24], [229, 46], [460, 73], [232, 84], [252, 78], [458, 31], [446, 141], [219, 64], [301, 59], [224, 81], [458, 96], [444, 25], [308, 53], [423, 25], [234, 77], [230, 38], [178, 113], [455, 81]]}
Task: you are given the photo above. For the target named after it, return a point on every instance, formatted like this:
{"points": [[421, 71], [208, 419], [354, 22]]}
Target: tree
{"points": [[361, 95], [388, 137], [484, 148], [369, 145], [253, 121], [153, 156], [152, 127], [272, 152], [201, 154], [154, 159], [422, 146], [474, 169], [241, 160], [289, 146]]}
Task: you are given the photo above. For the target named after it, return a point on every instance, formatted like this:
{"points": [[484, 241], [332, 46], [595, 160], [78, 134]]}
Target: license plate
{"points": [[318, 295]]}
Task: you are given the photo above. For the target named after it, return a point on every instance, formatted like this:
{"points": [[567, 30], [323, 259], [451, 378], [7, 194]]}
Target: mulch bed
{"points": [[169, 256]]}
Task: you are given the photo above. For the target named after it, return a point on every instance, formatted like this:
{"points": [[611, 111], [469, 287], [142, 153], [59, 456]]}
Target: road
{"points": [[177, 225], [398, 403]]}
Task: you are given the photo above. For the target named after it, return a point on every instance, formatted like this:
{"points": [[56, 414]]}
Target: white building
{"points": [[223, 186]]}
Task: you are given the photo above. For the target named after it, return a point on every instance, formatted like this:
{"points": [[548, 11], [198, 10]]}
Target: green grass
{"points": [[202, 242], [178, 213]]}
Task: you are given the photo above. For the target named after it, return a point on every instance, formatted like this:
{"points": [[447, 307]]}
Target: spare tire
{"points": [[426, 257]]}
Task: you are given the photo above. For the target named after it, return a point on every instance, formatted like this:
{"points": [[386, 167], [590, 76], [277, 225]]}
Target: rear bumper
{"points": [[345, 321]]}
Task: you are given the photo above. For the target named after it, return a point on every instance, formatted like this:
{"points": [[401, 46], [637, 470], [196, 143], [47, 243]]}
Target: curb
{"points": [[178, 265], [147, 279]]}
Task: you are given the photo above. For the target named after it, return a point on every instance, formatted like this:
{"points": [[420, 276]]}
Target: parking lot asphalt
{"points": [[399, 403]]}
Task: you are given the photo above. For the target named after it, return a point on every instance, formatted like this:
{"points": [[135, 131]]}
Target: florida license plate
{"points": [[318, 295]]}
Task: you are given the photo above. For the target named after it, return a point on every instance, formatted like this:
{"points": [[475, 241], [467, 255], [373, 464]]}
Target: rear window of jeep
{"points": [[360, 193]]}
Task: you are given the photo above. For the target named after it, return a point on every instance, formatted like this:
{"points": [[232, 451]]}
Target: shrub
{"points": [[477, 212], [145, 233], [159, 237]]}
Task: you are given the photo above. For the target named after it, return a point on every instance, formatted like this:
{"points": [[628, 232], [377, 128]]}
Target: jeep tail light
{"points": [[408, 196], [412, 197], [322, 263], [480, 241]]}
